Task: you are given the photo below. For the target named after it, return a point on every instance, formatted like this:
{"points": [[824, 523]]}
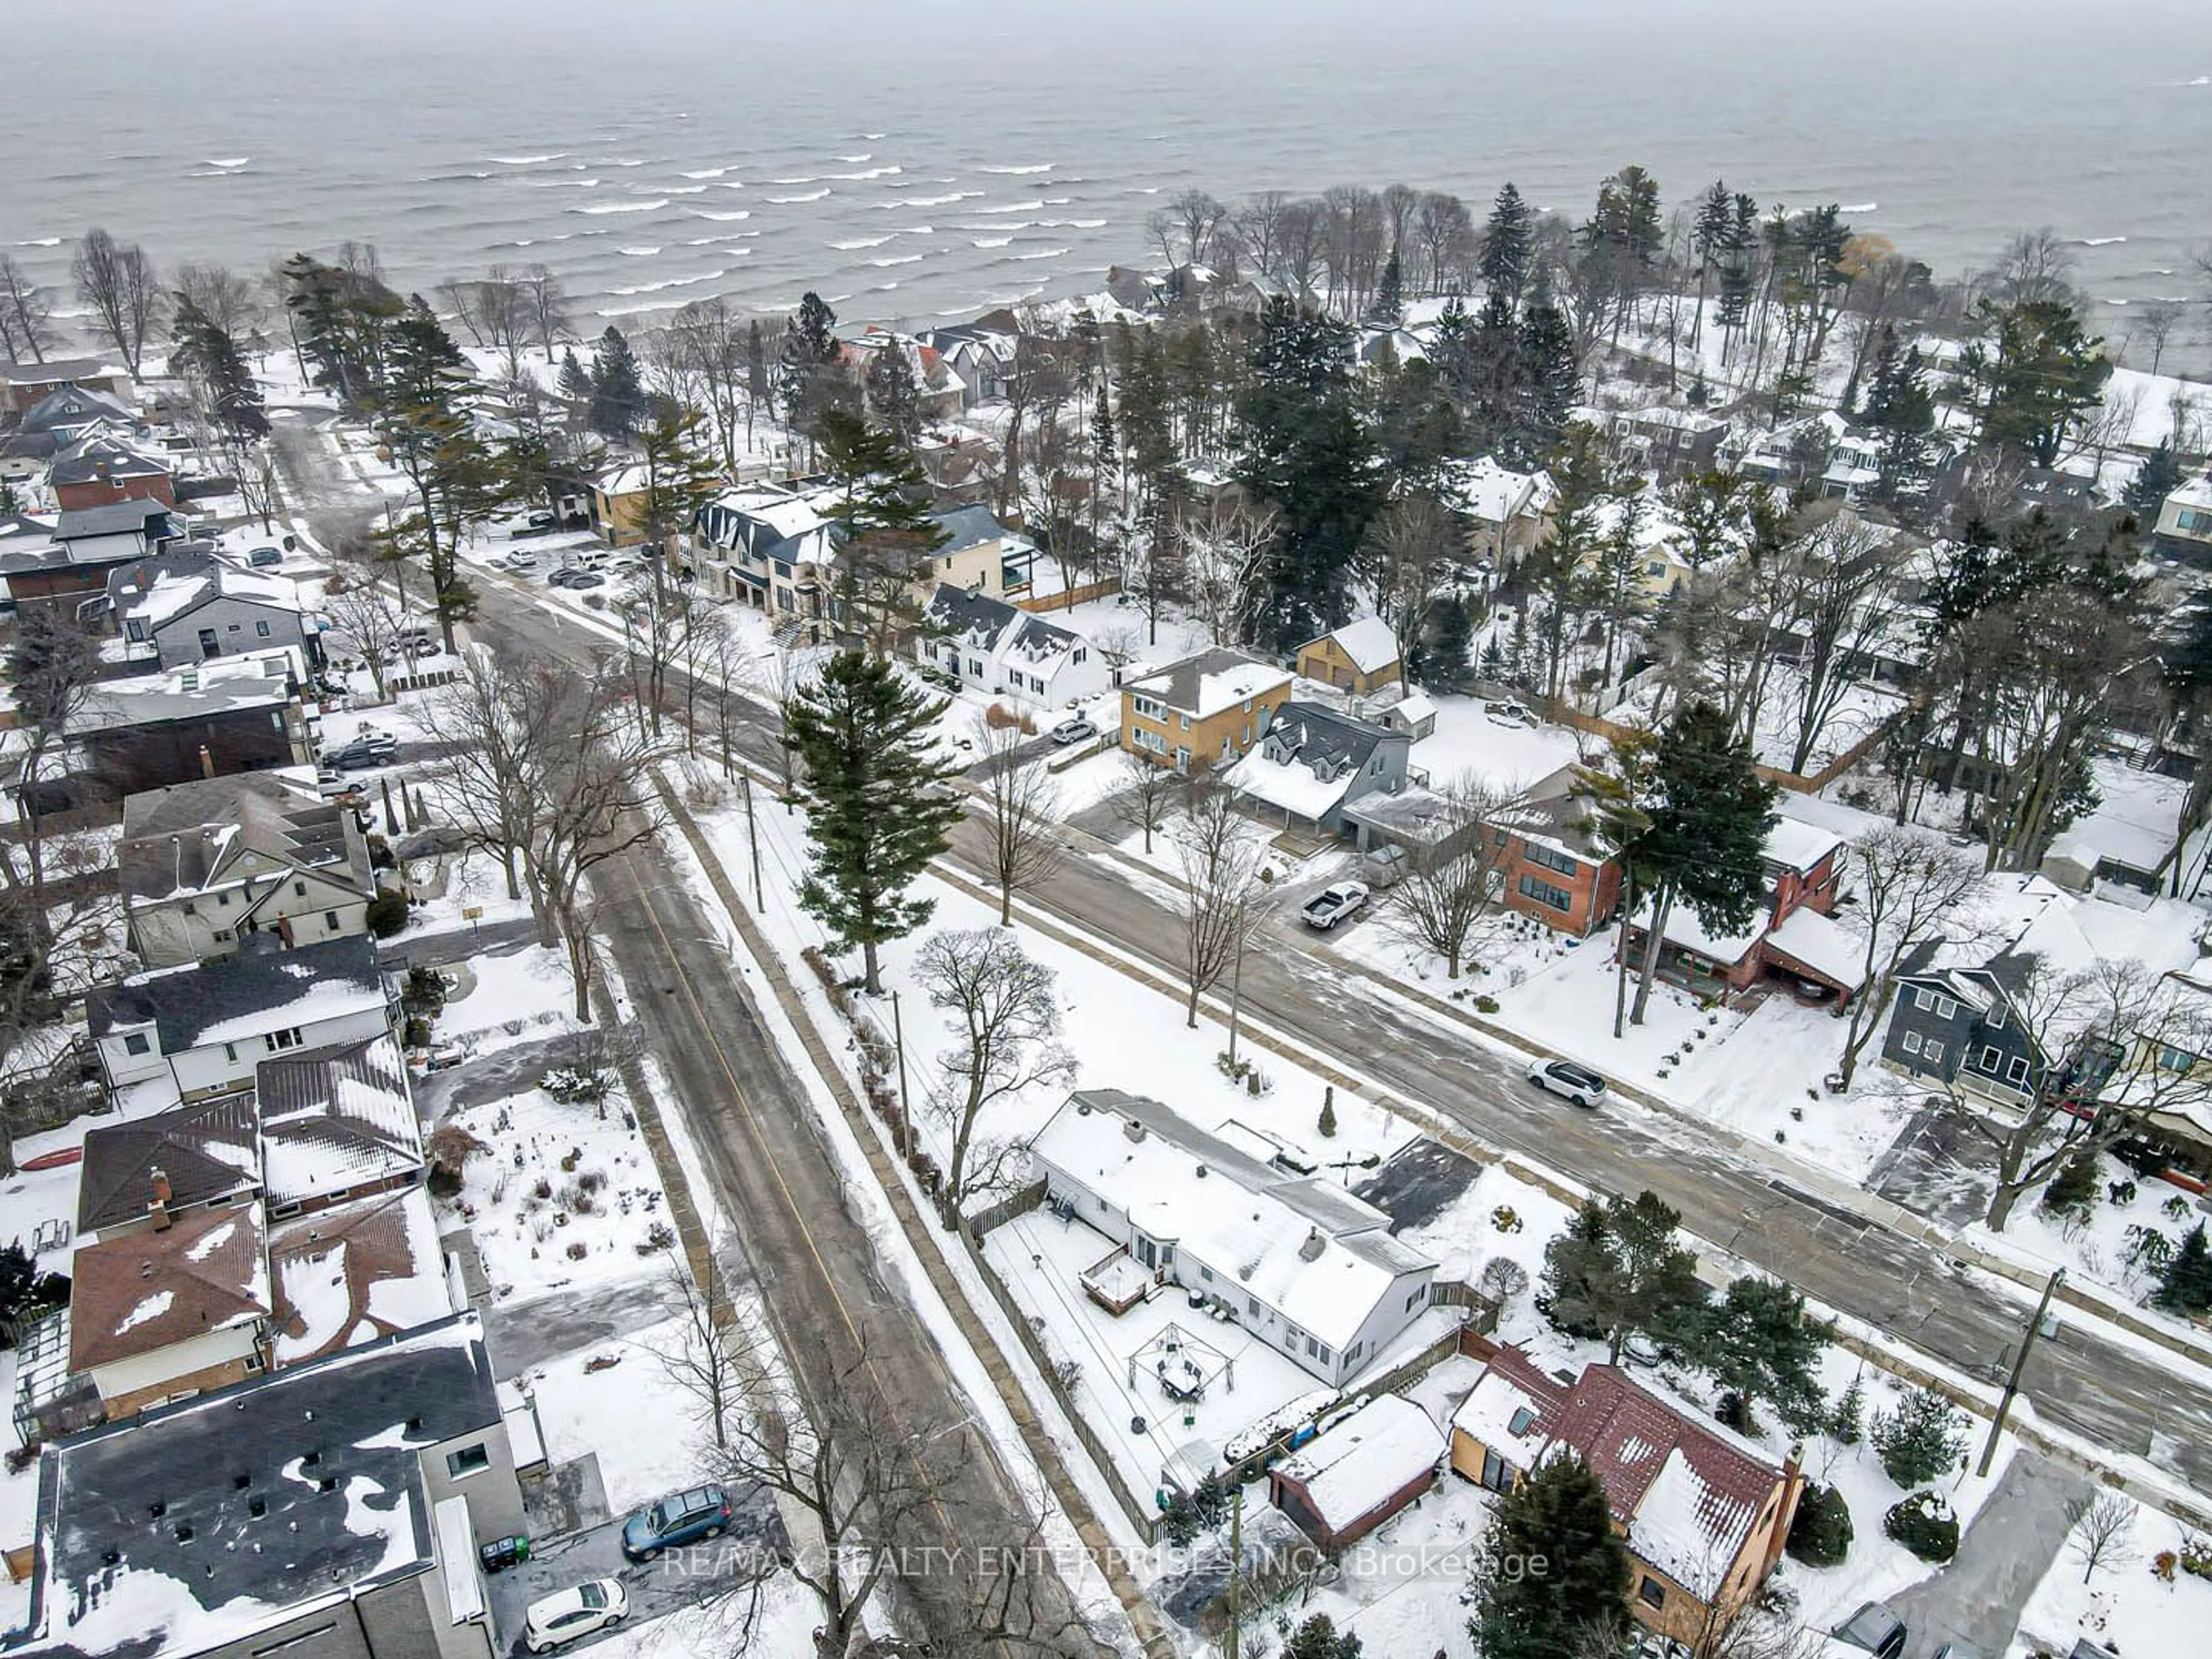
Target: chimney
{"points": [[1312, 1249], [157, 1206], [207, 762]]}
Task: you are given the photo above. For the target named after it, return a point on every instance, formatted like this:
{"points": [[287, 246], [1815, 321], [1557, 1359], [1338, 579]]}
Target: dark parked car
{"points": [[569, 576], [360, 753], [683, 1517], [1562, 1077], [1874, 1628]]}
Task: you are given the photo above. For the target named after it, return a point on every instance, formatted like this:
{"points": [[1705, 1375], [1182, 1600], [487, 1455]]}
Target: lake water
{"points": [[924, 159]]}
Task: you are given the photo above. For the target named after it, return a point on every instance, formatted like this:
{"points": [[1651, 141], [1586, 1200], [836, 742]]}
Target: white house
{"points": [[205, 864], [999, 649], [1296, 1260], [186, 1033]]}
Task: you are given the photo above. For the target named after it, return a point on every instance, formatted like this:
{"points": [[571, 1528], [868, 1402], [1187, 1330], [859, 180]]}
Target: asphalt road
{"points": [[2103, 1390], [843, 1328]]}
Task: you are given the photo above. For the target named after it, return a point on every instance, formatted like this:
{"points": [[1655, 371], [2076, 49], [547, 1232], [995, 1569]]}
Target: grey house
{"points": [[1313, 762], [1957, 1027], [333, 1510], [181, 615]]}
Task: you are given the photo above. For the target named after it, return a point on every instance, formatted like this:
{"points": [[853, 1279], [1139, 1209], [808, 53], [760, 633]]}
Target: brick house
{"points": [[103, 469], [1703, 1512], [1205, 711], [177, 1308], [1791, 937]]}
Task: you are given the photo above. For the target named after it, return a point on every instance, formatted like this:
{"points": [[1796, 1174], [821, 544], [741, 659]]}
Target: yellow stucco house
{"points": [[1205, 711]]}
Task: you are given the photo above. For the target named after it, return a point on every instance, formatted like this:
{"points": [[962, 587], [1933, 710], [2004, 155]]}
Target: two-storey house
{"points": [[1205, 711], [1313, 764]]}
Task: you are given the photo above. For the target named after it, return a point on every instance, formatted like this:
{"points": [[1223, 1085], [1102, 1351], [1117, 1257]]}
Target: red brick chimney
{"points": [[157, 1208]]}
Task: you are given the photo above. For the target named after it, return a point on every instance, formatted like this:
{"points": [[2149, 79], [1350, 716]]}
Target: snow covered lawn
{"points": [[2125, 1605], [648, 1432], [563, 1197], [508, 996]]}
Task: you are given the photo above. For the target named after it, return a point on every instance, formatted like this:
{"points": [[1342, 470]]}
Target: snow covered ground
{"points": [[2127, 1606]]}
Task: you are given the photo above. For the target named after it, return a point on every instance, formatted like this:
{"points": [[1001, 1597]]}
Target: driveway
{"points": [[676, 1580], [2007, 1549], [1938, 1167], [1419, 1183]]}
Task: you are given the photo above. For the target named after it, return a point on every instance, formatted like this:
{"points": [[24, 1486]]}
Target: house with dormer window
{"points": [[1313, 762]]}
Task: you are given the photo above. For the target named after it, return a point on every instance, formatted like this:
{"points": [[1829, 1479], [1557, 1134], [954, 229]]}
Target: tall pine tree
{"points": [[206, 354], [618, 400], [878, 804], [883, 526], [1577, 1605], [1509, 248]]}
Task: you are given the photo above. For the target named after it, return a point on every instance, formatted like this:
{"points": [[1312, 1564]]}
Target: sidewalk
{"points": [[922, 1233]]}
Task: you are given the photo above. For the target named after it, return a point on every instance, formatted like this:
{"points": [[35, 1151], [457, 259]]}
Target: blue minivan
{"points": [[683, 1517]]}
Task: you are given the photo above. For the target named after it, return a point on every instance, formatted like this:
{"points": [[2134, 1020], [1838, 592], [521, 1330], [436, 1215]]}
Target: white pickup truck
{"points": [[1333, 904]]}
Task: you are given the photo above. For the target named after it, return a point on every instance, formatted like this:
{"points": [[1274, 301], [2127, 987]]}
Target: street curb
{"points": [[1143, 1619]]}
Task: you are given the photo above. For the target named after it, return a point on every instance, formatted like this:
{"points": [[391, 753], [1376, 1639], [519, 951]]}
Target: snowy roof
{"points": [[1688, 1490], [1370, 643], [355, 1273], [146, 1291], [1366, 1460], [257, 679], [1231, 1212], [2193, 492], [1309, 759], [1214, 680], [199, 1526], [1686, 931], [171, 594], [245, 994], [1796, 845], [1822, 945], [971, 526], [1290, 786], [205, 1151], [2133, 823], [1413, 708], [1490, 490], [336, 1118], [181, 839]]}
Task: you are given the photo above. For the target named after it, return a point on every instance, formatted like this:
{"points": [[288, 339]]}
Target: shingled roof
{"points": [[335, 1118], [354, 1272], [253, 991], [180, 839], [207, 1151], [147, 1290]]}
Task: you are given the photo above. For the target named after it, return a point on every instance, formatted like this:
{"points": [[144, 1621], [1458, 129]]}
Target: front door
{"points": [[209, 645]]}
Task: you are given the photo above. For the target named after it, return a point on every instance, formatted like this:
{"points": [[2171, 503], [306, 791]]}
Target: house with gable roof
{"points": [[205, 864], [1506, 511], [189, 606], [1313, 763], [994, 647], [1703, 1511], [72, 562], [337, 1124], [1361, 657], [103, 468], [26, 385], [1295, 1260], [201, 1157]]}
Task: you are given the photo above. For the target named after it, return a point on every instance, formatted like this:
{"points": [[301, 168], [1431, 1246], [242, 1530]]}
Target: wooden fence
{"points": [[1068, 598]]}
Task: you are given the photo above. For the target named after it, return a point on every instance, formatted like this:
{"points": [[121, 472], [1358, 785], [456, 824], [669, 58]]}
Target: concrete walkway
{"points": [[2007, 1549]]}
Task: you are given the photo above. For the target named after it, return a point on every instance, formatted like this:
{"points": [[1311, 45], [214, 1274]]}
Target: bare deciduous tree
{"points": [[1452, 895], [1144, 796], [1004, 1025], [1219, 860], [236, 305], [1911, 888], [120, 284], [2154, 320], [703, 1358], [368, 618], [1020, 815], [1845, 601], [27, 326], [2100, 1527]]}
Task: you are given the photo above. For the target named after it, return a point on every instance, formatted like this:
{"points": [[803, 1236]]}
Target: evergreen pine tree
{"points": [[809, 348], [1318, 1638], [1549, 384], [1579, 1603], [1491, 667], [2185, 1287], [2158, 477], [618, 400], [1439, 659], [576, 378], [816, 325], [759, 387], [878, 809], [882, 524], [1327, 1126], [207, 355], [1509, 247], [2072, 1193], [1847, 1417], [1924, 1438], [894, 396], [1389, 309], [1621, 1270], [1759, 1345]]}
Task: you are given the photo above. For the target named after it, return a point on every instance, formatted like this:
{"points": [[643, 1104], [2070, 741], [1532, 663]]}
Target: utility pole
{"points": [[752, 835], [1230, 1649], [2019, 1364], [1236, 1004], [906, 1113]]}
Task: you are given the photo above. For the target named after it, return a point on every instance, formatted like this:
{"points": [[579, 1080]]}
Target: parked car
{"points": [[577, 1611], [683, 1517], [425, 647], [570, 577], [520, 559], [628, 559], [538, 523], [1333, 904], [372, 750], [1876, 1628], [1076, 728], [1563, 1077], [262, 557]]}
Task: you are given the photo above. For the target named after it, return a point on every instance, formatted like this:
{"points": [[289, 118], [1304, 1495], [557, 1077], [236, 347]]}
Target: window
{"points": [[1923, 1000], [222, 899], [288, 1038], [1543, 893], [1327, 1358], [1151, 740], [1186, 722], [1150, 708], [1206, 1273], [2017, 1072], [2193, 521], [261, 630], [299, 889], [222, 934], [1351, 1354], [1291, 1334], [1656, 568], [330, 921], [1080, 655], [1420, 1295], [1945, 1009], [1549, 859], [230, 1053], [1933, 1053], [2171, 1059], [1494, 1473], [1991, 1061], [135, 1043], [190, 909], [1252, 1306], [1997, 1017], [467, 1461], [1913, 1043], [1654, 1593]]}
